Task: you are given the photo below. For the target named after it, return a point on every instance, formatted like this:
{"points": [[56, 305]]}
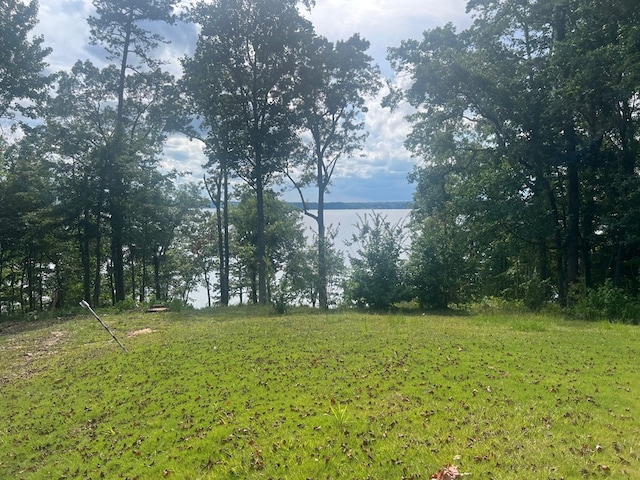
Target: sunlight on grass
{"points": [[242, 394]]}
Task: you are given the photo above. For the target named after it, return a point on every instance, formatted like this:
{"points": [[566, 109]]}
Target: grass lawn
{"points": [[238, 393]]}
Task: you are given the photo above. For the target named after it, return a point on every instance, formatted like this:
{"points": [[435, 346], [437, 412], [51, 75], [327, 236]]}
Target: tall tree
{"points": [[122, 27], [599, 56], [28, 224], [23, 89], [81, 120], [159, 208], [217, 186], [22, 60], [196, 239], [242, 77], [78, 126], [284, 239], [334, 83], [528, 94]]}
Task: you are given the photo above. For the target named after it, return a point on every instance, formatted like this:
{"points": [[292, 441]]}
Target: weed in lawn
{"points": [[339, 413]]}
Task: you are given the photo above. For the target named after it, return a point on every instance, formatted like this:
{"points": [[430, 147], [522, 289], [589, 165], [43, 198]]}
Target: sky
{"points": [[379, 171]]}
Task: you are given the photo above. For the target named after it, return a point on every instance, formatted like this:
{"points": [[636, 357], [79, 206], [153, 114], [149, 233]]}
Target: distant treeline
{"points": [[356, 205], [347, 205]]}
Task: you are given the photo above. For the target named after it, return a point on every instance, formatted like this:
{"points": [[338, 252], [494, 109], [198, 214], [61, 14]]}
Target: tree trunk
{"points": [[156, 276], [31, 280], [572, 234], [133, 277], [557, 240], [617, 273], [224, 277], [221, 253], [143, 280], [573, 213], [573, 223], [261, 247], [40, 283], [207, 284], [12, 300], [254, 286], [220, 199], [111, 285], [322, 259], [117, 251], [117, 213], [97, 283], [1, 277], [83, 233], [543, 260], [587, 233]]}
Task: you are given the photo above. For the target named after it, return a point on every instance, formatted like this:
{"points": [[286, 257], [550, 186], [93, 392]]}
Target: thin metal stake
{"points": [[84, 304]]}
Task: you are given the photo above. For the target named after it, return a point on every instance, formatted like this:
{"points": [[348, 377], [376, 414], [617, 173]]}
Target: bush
{"points": [[176, 305], [376, 278], [280, 300], [608, 302], [125, 305], [280, 305], [493, 304], [537, 293]]}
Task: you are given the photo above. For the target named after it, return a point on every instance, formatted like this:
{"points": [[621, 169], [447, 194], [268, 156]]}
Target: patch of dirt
{"points": [[43, 346], [26, 353], [53, 339], [144, 331]]}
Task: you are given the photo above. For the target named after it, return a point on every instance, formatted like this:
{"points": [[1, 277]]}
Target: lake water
{"points": [[344, 221]]}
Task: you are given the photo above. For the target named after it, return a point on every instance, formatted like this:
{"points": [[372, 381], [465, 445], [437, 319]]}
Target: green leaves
{"points": [[117, 26], [22, 60], [242, 79], [376, 278], [284, 246], [517, 112]]}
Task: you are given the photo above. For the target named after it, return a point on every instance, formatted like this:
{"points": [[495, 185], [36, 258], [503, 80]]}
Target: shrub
{"points": [[280, 300], [125, 305], [376, 278], [537, 293], [607, 302]]}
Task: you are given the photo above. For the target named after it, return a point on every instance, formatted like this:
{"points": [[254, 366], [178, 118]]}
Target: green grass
{"points": [[240, 394]]}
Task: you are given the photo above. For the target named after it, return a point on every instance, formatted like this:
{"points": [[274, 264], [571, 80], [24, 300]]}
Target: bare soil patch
{"points": [[27, 352], [144, 331]]}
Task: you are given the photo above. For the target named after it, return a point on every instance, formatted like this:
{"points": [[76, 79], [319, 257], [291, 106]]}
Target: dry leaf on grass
{"points": [[450, 472]]}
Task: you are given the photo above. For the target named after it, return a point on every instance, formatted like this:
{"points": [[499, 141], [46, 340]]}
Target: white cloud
{"points": [[63, 24], [384, 156], [184, 155], [385, 23]]}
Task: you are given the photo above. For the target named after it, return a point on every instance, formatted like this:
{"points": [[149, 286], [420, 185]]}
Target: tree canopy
{"points": [[243, 78], [335, 81], [526, 122], [23, 84], [525, 131]]}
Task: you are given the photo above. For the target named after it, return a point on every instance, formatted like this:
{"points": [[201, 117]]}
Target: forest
{"points": [[524, 133]]}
